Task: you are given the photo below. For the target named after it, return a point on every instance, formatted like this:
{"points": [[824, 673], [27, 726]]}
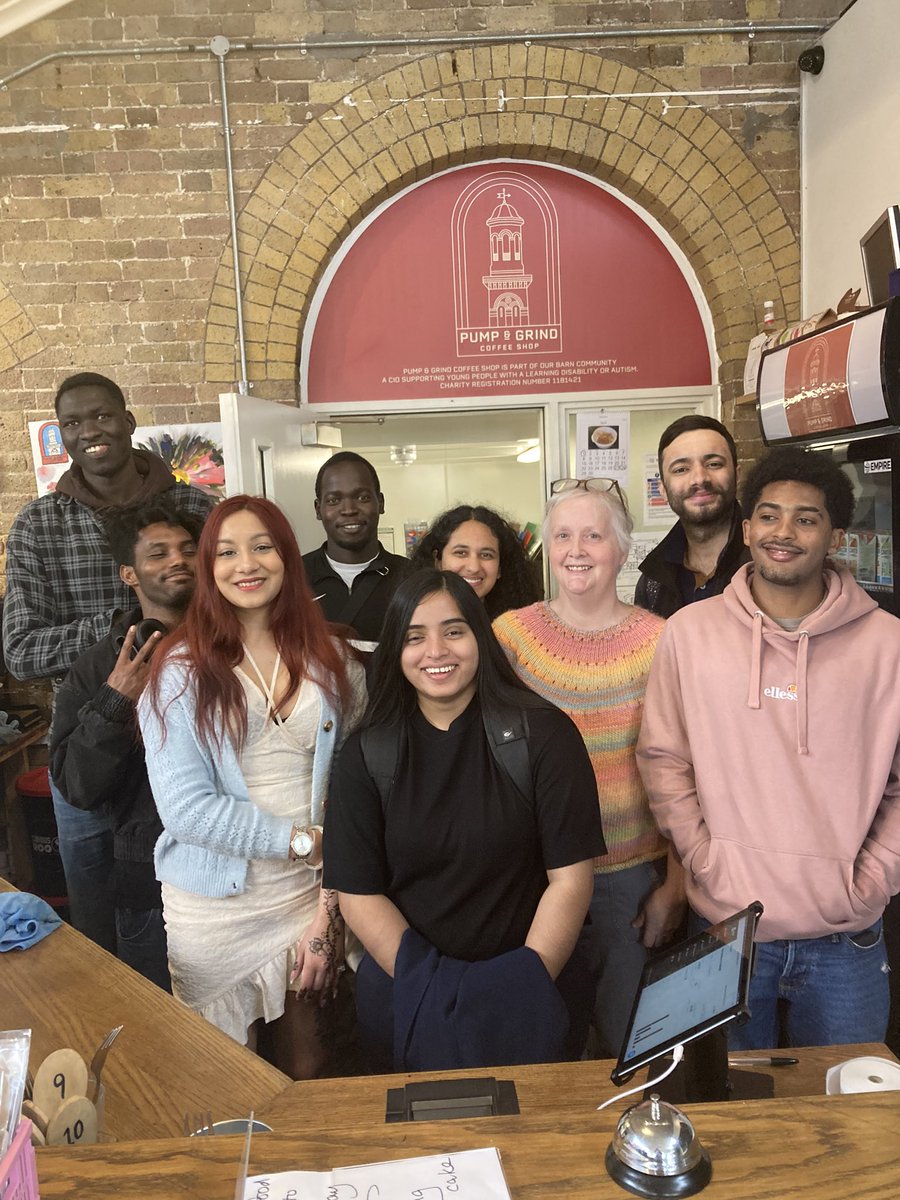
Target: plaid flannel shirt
{"points": [[62, 585]]}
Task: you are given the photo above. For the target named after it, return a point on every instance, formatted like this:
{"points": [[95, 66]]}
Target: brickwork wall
{"points": [[569, 106], [114, 252]]}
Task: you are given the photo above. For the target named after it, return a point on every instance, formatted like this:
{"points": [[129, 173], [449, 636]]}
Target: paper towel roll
{"points": [[863, 1075]]}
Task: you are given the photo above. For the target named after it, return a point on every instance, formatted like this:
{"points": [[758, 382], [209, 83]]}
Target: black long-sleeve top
{"points": [[97, 762]]}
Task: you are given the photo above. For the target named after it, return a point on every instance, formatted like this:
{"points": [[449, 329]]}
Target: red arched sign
{"points": [[503, 279]]}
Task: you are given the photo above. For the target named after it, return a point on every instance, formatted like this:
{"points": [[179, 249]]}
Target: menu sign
{"points": [[833, 381], [816, 391]]}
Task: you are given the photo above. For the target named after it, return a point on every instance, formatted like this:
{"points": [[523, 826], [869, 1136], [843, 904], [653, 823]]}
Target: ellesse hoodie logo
{"points": [[777, 693]]}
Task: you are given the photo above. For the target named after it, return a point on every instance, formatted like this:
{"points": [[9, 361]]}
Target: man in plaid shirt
{"points": [[63, 589]]}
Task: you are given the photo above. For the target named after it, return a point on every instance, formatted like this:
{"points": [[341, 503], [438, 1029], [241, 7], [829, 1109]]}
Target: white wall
{"points": [[461, 458], [850, 148], [513, 489]]}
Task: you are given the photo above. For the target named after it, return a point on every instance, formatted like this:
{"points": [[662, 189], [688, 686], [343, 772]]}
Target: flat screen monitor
{"points": [[688, 990], [880, 248]]}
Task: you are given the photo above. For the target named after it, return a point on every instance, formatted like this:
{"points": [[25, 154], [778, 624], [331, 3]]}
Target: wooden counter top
{"points": [[166, 1062], [569, 1088], [827, 1148], [169, 1061]]}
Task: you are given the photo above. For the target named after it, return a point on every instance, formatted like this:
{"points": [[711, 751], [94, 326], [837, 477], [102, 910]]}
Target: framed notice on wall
{"points": [[656, 506]]}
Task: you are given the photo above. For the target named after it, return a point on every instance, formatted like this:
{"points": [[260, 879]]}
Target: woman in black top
{"points": [[467, 879]]}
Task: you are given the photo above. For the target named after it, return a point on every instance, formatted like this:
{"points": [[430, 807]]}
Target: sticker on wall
{"points": [[47, 454], [193, 453], [601, 445], [656, 506], [50, 446]]}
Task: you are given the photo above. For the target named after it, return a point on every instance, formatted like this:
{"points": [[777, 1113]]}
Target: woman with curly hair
{"points": [[478, 544]]}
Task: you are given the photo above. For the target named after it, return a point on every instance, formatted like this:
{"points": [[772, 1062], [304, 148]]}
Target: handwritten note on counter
{"points": [[468, 1175]]}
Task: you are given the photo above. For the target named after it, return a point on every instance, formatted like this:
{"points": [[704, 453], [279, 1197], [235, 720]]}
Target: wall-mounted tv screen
{"points": [[881, 254]]}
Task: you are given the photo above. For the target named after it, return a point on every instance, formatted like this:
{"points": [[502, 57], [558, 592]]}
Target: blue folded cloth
{"points": [[24, 920]]}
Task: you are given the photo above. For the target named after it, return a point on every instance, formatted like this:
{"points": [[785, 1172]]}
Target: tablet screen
{"points": [[689, 989]]}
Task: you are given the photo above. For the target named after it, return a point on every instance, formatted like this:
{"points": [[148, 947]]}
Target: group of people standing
{"points": [[490, 805]]}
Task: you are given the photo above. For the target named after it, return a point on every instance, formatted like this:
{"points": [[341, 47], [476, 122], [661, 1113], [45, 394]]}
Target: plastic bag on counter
{"points": [[14, 1047]]}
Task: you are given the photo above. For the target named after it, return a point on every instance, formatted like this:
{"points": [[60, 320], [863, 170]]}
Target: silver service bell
{"points": [[655, 1152]]}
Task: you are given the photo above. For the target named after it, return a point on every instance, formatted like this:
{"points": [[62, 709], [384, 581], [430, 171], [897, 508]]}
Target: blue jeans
{"points": [[141, 938], [613, 951], [86, 850], [834, 990]]}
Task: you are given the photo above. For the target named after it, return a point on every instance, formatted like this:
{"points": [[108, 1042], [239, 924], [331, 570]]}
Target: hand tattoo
{"points": [[328, 945]]}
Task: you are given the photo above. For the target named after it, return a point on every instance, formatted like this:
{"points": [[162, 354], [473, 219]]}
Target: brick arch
{"points": [[671, 159], [19, 339]]}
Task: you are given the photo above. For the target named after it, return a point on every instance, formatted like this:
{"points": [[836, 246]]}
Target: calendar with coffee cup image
{"points": [[602, 441]]}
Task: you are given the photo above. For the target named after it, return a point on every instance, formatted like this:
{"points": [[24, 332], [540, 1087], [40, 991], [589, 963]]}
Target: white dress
{"points": [[230, 958]]}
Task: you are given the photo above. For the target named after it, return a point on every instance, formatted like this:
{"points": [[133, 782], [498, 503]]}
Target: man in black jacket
{"points": [[96, 757], [698, 556], [352, 575]]}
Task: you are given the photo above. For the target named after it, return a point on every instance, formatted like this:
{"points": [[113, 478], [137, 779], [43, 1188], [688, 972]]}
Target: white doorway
{"points": [[429, 462]]}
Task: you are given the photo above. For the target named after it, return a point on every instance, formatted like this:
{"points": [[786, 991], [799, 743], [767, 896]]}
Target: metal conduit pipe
{"points": [[220, 47], [306, 45], [109, 52], [618, 33]]}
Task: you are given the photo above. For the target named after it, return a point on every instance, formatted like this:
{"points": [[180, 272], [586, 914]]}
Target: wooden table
{"points": [[166, 1062], [828, 1148], [569, 1088]]}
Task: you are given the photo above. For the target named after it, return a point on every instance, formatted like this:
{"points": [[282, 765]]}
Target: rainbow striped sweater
{"points": [[598, 678]]}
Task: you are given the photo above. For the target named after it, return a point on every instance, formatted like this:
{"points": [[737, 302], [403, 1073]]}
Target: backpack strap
{"points": [[507, 734], [380, 746]]}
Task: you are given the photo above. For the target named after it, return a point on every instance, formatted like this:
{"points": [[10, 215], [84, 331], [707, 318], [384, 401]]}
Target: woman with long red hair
{"points": [[245, 708]]}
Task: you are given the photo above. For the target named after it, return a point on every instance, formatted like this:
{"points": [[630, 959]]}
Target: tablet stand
{"points": [[703, 1075]]}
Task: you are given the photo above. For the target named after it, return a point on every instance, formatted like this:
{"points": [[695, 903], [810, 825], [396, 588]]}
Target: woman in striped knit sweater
{"points": [[590, 654]]}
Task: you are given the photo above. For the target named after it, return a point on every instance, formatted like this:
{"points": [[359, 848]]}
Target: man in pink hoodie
{"points": [[769, 750]]}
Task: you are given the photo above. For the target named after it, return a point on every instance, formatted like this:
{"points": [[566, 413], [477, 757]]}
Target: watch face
{"points": [[302, 844]]}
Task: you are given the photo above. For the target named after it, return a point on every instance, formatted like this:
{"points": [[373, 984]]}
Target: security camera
{"points": [[812, 61]]}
